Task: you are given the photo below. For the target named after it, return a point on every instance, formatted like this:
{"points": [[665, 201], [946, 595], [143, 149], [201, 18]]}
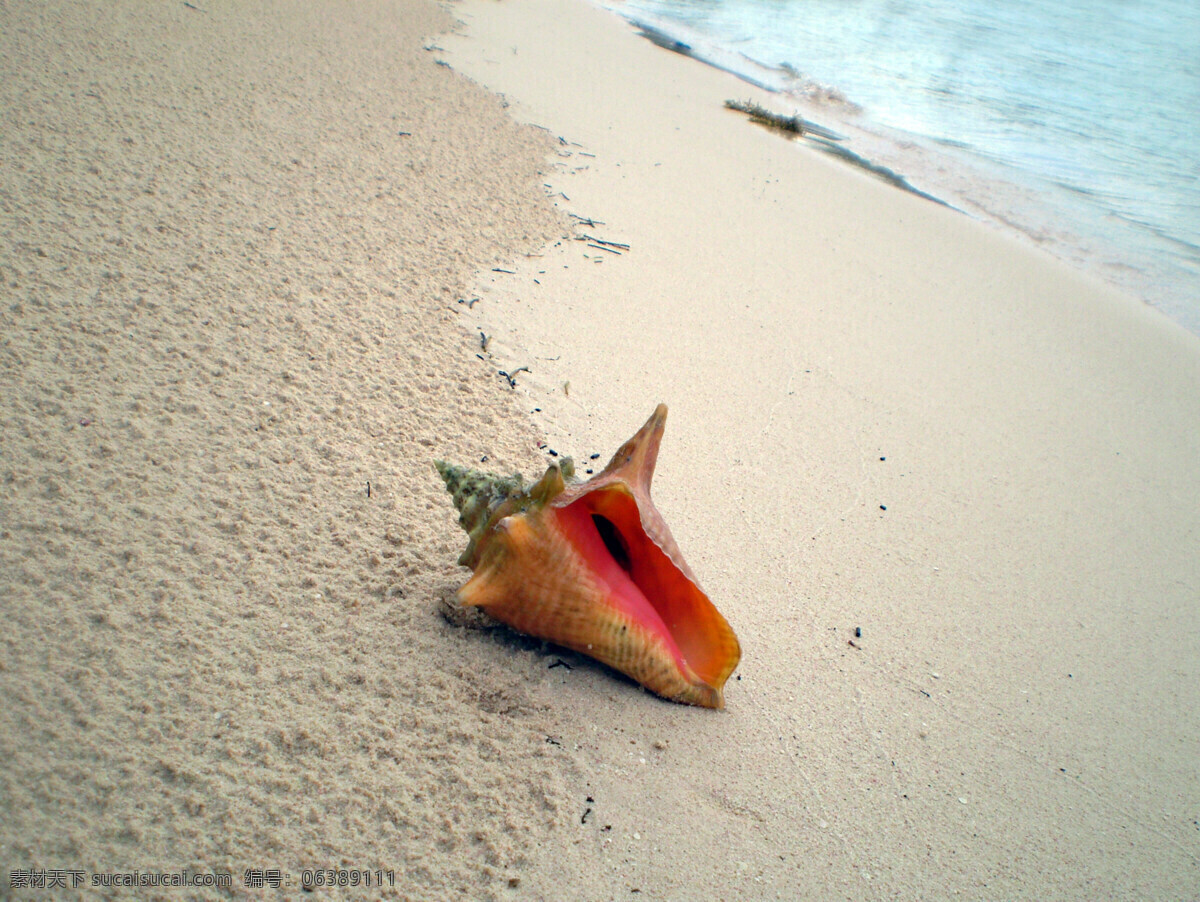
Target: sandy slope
{"points": [[230, 292]]}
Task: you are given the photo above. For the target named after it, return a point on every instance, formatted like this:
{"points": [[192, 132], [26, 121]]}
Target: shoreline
{"points": [[1016, 201], [886, 419], [264, 266]]}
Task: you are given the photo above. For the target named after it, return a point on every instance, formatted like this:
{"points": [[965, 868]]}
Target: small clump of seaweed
{"points": [[763, 116]]}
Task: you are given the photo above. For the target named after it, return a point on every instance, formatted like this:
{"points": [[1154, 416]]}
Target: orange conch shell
{"points": [[593, 567]]}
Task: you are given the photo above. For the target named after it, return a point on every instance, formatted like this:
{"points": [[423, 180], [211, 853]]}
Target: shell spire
{"points": [[477, 495], [593, 567]]}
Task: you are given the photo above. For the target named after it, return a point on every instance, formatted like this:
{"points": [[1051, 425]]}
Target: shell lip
{"points": [[649, 584]]}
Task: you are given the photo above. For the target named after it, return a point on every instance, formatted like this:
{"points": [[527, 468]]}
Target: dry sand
{"points": [[231, 301]]}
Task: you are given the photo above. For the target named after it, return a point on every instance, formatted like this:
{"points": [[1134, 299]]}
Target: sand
{"points": [[230, 305], [232, 300]]}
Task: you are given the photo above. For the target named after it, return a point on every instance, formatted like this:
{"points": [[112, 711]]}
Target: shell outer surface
{"points": [[592, 566]]}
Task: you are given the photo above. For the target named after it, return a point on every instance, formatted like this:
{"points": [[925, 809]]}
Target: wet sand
{"points": [[886, 418]]}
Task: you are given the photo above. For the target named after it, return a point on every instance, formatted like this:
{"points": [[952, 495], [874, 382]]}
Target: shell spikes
{"points": [[593, 567]]}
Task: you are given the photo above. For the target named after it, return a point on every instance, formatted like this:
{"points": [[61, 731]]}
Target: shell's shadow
{"points": [[553, 656]]}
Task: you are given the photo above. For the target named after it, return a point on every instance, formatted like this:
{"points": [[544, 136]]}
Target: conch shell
{"points": [[593, 567]]}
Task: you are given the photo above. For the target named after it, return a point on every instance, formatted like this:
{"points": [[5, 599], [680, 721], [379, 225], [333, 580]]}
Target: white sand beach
{"points": [[249, 254]]}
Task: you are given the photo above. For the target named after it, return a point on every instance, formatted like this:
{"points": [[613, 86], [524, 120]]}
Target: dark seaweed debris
{"points": [[763, 116], [827, 142]]}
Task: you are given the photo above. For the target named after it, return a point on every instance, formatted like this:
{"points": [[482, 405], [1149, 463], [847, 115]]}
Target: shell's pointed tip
{"points": [[450, 473], [636, 458], [457, 613], [658, 419], [461, 482]]}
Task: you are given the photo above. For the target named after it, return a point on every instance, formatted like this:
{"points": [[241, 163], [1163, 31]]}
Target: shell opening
{"points": [[617, 546], [690, 625], [606, 527], [612, 553]]}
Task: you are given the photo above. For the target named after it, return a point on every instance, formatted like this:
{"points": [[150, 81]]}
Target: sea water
{"points": [[1076, 123]]}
